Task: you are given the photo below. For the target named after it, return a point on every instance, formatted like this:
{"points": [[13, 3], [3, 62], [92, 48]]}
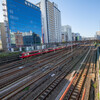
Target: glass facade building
{"points": [[23, 18]]}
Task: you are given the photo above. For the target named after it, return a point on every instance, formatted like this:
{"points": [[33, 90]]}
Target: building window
{"points": [[25, 2], [28, 4], [14, 17], [11, 11]]}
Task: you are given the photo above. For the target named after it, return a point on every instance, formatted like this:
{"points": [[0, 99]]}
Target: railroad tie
{"points": [[38, 99], [76, 90], [41, 97], [45, 93], [50, 88], [74, 93], [58, 80], [54, 84], [73, 97]]}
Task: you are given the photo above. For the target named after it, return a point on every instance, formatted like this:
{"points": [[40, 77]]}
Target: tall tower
{"points": [[5, 14], [57, 18], [51, 21]]}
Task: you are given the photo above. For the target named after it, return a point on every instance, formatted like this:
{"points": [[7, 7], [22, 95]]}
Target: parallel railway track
{"points": [[76, 89], [46, 92], [24, 96], [58, 62], [33, 69], [36, 79], [16, 64]]}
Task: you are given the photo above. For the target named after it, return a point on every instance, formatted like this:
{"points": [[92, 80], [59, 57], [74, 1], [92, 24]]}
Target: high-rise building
{"points": [[57, 17], [66, 33], [3, 36], [51, 21], [22, 16]]}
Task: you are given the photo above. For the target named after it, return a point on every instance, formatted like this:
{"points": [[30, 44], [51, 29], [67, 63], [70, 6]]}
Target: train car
{"points": [[38, 52], [29, 54]]}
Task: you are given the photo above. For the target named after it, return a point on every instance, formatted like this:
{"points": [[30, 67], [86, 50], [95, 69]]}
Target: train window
{"points": [[39, 51], [49, 49], [33, 52], [26, 54]]}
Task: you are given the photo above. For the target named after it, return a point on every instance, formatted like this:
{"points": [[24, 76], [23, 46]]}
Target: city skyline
{"points": [[82, 16]]}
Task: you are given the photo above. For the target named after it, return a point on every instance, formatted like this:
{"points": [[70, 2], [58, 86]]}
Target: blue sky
{"points": [[82, 15]]}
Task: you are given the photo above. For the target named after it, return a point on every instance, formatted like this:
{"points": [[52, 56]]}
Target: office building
{"points": [[66, 33], [0, 41], [30, 38], [22, 16], [51, 21], [36, 38], [18, 39], [98, 35], [76, 37], [73, 36], [57, 16], [3, 42]]}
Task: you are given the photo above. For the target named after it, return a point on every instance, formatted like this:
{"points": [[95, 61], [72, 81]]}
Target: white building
{"points": [[51, 21], [66, 33], [76, 37], [98, 35], [57, 16]]}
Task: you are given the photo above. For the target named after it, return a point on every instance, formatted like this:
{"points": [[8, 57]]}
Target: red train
{"points": [[38, 52]]}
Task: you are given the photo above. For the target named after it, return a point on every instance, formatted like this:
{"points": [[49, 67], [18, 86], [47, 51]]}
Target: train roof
{"points": [[30, 51]]}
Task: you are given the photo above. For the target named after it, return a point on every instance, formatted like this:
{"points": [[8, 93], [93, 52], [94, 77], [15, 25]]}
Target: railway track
{"points": [[46, 92], [6, 60], [34, 89], [16, 64], [76, 88], [42, 75], [88, 89], [32, 69], [37, 86]]}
